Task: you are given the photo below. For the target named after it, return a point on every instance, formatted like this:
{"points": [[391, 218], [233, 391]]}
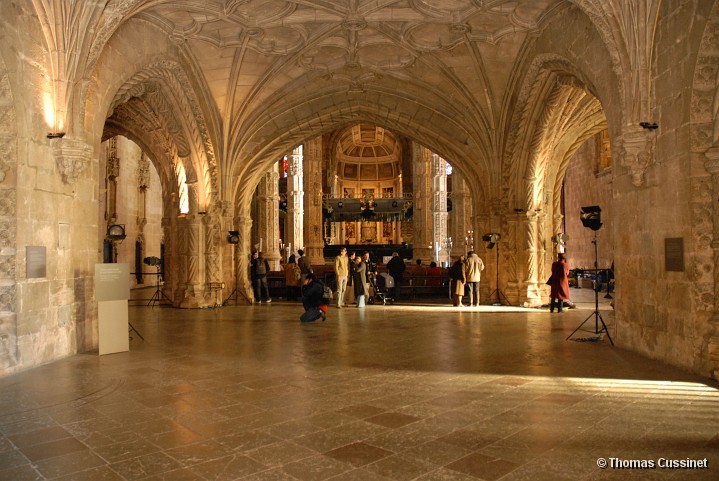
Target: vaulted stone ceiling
{"points": [[250, 49]]}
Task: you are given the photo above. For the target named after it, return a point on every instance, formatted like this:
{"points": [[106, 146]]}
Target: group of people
{"points": [[464, 275], [355, 274]]}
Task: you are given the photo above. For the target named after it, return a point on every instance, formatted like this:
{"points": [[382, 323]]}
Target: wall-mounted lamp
{"points": [[55, 135], [116, 232], [233, 237], [649, 126]]}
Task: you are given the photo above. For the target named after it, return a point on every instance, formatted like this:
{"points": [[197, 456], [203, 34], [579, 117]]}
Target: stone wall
{"points": [[129, 208], [587, 184], [656, 310]]}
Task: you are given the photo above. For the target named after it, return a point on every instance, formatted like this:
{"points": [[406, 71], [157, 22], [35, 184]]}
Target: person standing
{"points": [[293, 279], [396, 268], [475, 266], [305, 265], [350, 292], [260, 268], [458, 276], [360, 281], [559, 283], [341, 272], [313, 299]]}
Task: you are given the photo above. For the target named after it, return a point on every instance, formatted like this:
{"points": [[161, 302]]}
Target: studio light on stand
{"points": [[591, 218], [492, 239], [158, 295]]}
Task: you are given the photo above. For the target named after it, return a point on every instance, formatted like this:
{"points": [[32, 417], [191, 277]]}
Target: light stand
{"points": [[498, 291], [158, 295], [591, 218], [493, 240]]}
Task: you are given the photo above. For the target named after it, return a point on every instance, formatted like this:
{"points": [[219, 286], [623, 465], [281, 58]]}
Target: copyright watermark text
{"points": [[658, 463]]}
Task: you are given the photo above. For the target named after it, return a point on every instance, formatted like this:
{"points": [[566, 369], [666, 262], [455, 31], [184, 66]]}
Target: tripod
{"points": [[498, 291], [597, 316], [158, 295]]}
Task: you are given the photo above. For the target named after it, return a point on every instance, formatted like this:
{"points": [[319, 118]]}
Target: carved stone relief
{"points": [[72, 156], [638, 153]]}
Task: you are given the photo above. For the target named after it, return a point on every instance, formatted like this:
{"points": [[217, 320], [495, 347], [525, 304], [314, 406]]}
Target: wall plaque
{"points": [[674, 254], [35, 262]]}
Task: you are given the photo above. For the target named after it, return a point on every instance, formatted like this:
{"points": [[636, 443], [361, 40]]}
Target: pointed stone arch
{"points": [[558, 114], [158, 110]]}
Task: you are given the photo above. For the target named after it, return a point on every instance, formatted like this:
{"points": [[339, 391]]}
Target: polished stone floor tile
{"points": [[386, 393]]}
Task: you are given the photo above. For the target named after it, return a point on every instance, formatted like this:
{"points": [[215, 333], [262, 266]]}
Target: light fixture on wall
{"points": [[648, 125], [55, 135], [233, 237], [116, 232]]}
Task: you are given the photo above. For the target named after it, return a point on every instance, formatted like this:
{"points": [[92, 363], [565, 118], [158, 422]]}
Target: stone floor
{"points": [[399, 392]]}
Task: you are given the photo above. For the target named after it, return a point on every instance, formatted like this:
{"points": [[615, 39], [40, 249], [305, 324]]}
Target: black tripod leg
{"points": [[132, 329], [606, 329], [580, 326]]}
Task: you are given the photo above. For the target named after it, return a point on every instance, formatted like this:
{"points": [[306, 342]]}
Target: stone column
{"points": [[535, 253], [461, 215], [439, 207], [243, 224], [422, 204], [313, 228], [294, 226], [711, 163], [268, 218], [191, 263]]}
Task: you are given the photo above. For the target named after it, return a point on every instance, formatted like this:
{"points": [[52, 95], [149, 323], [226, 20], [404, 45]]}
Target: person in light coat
{"points": [[475, 266], [342, 272]]}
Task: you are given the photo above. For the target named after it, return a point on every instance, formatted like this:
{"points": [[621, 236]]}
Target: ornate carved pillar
{"points": [[711, 163], [294, 226], [112, 173], [439, 208], [460, 219], [169, 272], [243, 224], [534, 250], [313, 228], [191, 262], [421, 204], [268, 220]]}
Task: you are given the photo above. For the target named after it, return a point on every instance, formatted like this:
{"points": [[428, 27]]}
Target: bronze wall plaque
{"points": [[674, 254]]}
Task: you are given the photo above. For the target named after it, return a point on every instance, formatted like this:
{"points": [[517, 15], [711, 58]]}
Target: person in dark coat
{"points": [[360, 281], [396, 268], [313, 299], [258, 273], [559, 285]]}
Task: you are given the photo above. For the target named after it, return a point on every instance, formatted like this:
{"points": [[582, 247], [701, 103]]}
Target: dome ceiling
{"points": [[367, 153]]}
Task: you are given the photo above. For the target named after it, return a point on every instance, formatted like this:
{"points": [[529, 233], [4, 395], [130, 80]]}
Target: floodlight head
{"points": [[116, 232], [492, 239], [591, 217], [233, 237], [152, 261]]}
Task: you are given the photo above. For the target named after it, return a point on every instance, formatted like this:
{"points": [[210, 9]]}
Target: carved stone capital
{"points": [[72, 156], [638, 153], [711, 160]]}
